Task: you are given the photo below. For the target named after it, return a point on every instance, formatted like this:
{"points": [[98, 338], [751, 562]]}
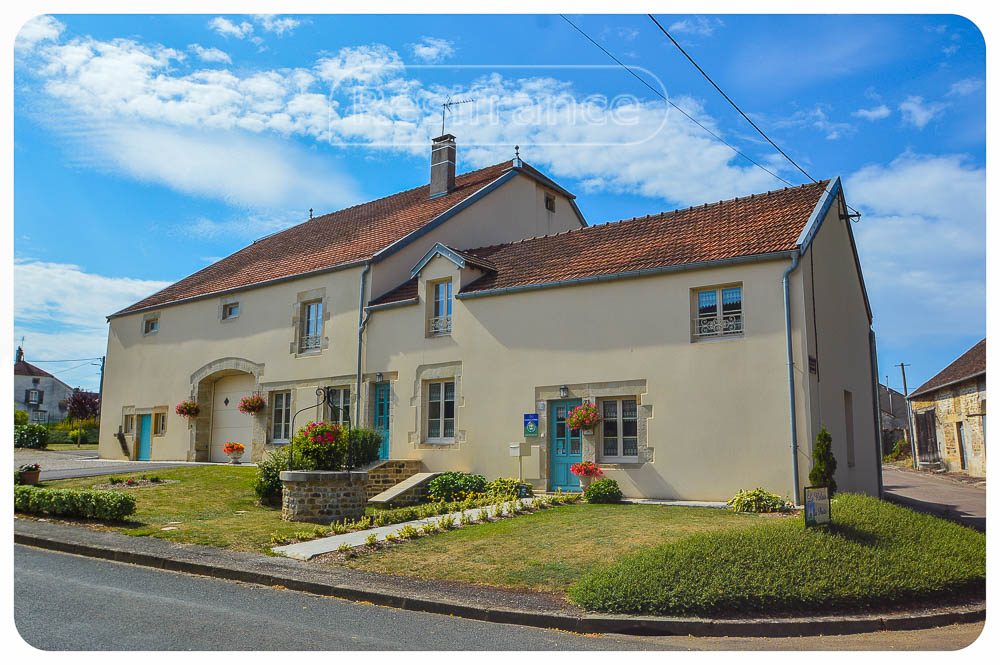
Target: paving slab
{"points": [[961, 502]]}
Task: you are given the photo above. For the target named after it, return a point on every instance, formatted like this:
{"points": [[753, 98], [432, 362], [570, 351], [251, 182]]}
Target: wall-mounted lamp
{"points": [[563, 391], [378, 377]]}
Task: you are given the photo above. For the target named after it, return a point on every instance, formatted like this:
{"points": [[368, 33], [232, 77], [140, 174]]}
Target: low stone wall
{"points": [[323, 497], [390, 473]]}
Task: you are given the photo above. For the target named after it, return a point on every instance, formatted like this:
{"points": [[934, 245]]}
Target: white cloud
{"points": [[818, 119], [876, 113], [432, 49], [917, 113], [922, 245], [209, 54], [39, 29], [965, 87], [247, 227], [279, 26], [228, 28], [696, 25]]}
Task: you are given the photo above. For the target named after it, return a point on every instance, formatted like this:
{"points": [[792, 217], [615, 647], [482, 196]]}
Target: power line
{"points": [[732, 103], [685, 113], [71, 360]]}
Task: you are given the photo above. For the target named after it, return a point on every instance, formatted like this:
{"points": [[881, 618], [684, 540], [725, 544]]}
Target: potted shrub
{"points": [[586, 472], [583, 417], [234, 450], [252, 404], [188, 408], [29, 473]]}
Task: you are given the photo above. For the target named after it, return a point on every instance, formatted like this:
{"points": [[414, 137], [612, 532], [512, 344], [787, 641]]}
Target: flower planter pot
{"points": [[29, 477], [585, 482], [234, 458]]}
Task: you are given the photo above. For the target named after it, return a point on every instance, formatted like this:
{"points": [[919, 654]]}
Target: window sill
{"points": [[439, 442], [716, 338], [620, 463]]}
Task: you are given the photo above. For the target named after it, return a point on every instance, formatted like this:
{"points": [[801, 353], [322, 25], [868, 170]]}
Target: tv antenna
{"points": [[448, 104]]}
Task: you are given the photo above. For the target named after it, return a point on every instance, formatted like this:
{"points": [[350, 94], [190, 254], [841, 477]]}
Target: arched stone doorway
{"points": [[218, 386]]}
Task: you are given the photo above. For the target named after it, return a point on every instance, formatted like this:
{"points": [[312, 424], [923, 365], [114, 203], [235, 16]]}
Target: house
{"points": [[448, 315], [949, 415], [39, 393], [892, 411]]}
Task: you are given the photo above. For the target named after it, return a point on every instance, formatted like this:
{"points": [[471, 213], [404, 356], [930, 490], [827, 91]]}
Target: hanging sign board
{"points": [[531, 424], [817, 503]]}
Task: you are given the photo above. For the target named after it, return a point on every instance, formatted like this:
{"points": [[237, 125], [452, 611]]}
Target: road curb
{"points": [[591, 623]]}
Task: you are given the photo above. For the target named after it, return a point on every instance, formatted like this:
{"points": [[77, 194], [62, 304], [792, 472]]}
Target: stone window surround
{"points": [[424, 375], [150, 316], [301, 298], [594, 392], [229, 300], [135, 412]]}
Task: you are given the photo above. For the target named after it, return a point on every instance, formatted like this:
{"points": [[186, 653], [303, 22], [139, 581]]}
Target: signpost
{"points": [[817, 503], [531, 424]]}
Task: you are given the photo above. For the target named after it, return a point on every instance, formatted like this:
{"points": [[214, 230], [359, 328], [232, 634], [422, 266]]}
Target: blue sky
{"points": [[147, 147]]}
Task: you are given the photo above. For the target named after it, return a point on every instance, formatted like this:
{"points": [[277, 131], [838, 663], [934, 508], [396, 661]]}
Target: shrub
{"points": [[31, 436], [363, 445], [758, 501], [320, 447], [68, 424], [267, 484], [900, 449], [94, 504], [603, 491], [81, 405], [455, 485], [20, 417], [508, 487], [17, 477], [824, 463], [75, 433]]}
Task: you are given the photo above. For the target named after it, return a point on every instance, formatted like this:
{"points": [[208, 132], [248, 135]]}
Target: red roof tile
{"points": [[969, 364], [24, 368], [339, 238]]}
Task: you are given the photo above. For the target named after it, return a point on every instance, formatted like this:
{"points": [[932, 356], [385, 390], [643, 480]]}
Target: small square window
{"points": [[718, 312], [128, 426], [150, 326], [550, 202], [159, 424], [230, 310], [40, 416]]}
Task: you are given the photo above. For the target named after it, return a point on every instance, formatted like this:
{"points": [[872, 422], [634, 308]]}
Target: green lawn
{"points": [[546, 550], [214, 505]]}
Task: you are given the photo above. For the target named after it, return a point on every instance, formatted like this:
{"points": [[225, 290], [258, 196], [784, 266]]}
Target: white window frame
{"points": [[159, 424], [439, 321], [285, 421], [620, 429], [311, 327], [39, 416], [441, 420], [33, 396], [720, 325], [343, 400], [128, 426], [226, 315], [150, 326]]}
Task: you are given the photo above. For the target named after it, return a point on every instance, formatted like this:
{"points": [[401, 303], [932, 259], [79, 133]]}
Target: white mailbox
{"points": [[520, 450]]}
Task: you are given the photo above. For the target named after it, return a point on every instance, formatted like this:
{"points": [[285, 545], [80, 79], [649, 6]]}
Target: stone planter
{"points": [[585, 482], [323, 497], [234, 458]]}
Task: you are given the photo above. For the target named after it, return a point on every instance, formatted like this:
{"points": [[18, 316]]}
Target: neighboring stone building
{"points": [[949, 415], [715, 340], [892, 410], [39, 393]]}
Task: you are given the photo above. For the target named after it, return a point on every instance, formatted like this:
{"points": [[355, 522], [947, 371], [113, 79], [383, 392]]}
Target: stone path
{"points": [[312, 548], [961, 502]]}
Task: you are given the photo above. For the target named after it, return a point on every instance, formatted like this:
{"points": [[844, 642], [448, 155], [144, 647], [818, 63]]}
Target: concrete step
{"points": [[396, 493]]}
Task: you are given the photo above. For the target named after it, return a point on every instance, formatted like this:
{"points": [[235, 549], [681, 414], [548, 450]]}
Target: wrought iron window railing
{"points": [[439, 325], [310, 342], [719, 326]]}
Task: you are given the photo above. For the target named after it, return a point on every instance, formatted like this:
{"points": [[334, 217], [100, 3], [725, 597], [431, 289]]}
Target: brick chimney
{"points": [[442, 165], [18, 355]]}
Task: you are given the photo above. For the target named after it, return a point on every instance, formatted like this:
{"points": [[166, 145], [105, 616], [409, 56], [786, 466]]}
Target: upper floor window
{"points": [[34, 396], [718, 312], [441, 411], [341, 400], [550, 202], [619, 429], [440, 319], [150, 325], [159, 424], [311, 326], [281, 416], [230, 310]]}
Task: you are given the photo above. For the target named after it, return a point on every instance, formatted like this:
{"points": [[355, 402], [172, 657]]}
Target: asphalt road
{"points": [[67, 602], [938, 495]]}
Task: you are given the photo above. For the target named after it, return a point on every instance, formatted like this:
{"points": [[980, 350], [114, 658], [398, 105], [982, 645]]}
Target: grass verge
{"points": [[874, 554], [71, 446]]}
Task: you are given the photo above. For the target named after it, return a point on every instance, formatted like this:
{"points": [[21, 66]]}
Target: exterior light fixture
{"points": [[378, 377], [563, 391]]}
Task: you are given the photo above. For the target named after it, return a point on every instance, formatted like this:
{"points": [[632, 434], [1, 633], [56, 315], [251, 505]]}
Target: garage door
{"points": [[228, 424]]}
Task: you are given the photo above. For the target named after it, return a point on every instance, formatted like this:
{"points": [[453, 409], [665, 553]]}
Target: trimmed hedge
{"points": [[455, 486], [94, 504], [874, 554], [603, 491], [31, 436]]}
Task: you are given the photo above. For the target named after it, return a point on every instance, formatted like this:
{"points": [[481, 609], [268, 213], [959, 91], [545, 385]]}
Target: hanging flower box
{"points": [[188, 408], [252, 404], [584, 416]]}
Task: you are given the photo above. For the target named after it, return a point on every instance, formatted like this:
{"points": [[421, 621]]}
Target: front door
{"points": [[382, 417], [145, 432], [565, 447]]}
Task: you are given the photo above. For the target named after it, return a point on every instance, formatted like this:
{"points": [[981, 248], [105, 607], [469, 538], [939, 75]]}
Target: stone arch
{"points": [[202, 383]]}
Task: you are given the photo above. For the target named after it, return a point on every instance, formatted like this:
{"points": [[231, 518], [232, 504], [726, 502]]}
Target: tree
{"points": [[82, 405], [824, 463], [20, 417]]}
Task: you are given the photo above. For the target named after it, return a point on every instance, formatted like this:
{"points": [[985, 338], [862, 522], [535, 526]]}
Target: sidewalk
{"points": [[961, 502], [63, 464]]}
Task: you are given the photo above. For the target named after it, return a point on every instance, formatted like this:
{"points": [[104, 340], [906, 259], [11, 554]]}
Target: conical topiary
{"points": [[824, 463]]}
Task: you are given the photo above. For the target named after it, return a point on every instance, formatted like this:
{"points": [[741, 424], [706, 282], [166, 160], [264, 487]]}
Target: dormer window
{"points": [[439, 322]]}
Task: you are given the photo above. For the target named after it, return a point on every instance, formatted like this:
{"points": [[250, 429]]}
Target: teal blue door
{"points": [[144, 432], [382, 417], [565, 447]]}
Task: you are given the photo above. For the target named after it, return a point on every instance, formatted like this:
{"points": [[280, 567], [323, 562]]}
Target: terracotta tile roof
{"points": [[339, 238], [475, 261], [405, 291], [969, 364], [24, 368]]}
